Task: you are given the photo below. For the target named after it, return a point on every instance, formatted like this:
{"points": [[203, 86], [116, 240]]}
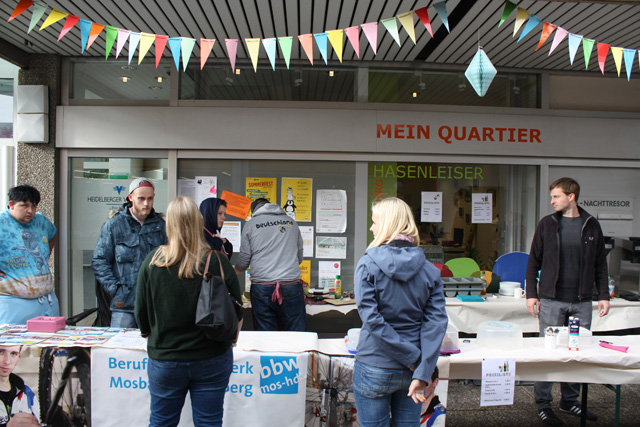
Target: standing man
{"points": [[26, 240], [124, 242], [20, 406], [272, 245], [568, 251]]}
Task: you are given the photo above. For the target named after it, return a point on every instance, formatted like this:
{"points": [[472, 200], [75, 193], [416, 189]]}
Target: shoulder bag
{"points": [[215, 313]]}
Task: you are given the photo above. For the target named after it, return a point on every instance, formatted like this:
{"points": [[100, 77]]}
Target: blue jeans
{"points": [[378, 390], [205, 380], [123, 319], [271, 316], [556, 313]]}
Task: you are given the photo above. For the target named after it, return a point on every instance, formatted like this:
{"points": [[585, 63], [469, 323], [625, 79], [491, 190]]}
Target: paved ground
{"points": [[464, 409]]}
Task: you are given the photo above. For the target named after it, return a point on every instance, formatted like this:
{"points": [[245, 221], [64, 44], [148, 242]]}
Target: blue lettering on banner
{"points": [[128, 364], [118, 382], [279, 375]]}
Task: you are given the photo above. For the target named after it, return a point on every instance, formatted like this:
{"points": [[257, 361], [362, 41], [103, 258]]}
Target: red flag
{"points": [[546, 32], [20, 8], [161, 43], [603, 49], [424, 17], [68, 25]]}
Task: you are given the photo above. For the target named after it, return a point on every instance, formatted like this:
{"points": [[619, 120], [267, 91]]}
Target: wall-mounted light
{"points": [[159, 79], [237, 71], [125, 79], [330, 73]]}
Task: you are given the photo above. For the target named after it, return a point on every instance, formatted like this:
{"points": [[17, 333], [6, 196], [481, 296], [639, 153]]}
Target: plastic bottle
{"points": [[338, 287], [612, 285]]}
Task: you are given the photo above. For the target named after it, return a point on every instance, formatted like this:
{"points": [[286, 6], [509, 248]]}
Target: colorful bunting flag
{"points": [[480, 72], [521, 16], [161, 43], [508, 8], [134, 39], [306, 40], [123, 35], [146, 40], [629, 54], [441, 8], [371, 31], [20, 8], [424, 17], [94, 32], [186, 45], [392, 27], [574, 42], [603, 49], [53, 17], [616, 52], [561, 33], [270, 47], [321, 42], [85, 29], [531, 24], [587, 48], [406, 19], [353, 34], [68, 25], [285, 46], [174, 46], [112, 32], [38, 10], [232, 50], [206, 45], [335, 38], [253, 46], [546, 32]]}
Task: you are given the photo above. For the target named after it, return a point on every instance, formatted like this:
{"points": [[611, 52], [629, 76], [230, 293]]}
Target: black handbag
{"points": [[215, 312]]}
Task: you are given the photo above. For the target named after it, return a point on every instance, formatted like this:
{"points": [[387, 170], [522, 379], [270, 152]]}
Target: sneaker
{"points": [[576, 409], [550, 418]]}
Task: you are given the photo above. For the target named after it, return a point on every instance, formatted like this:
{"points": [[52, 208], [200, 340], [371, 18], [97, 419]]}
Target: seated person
{"points": [[20, 406]]}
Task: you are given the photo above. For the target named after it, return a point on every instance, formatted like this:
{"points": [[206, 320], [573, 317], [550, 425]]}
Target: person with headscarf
{"points": [[213, 211]]}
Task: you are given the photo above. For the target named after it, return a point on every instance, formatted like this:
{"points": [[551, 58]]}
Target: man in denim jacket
{"points": [[124, 242]]}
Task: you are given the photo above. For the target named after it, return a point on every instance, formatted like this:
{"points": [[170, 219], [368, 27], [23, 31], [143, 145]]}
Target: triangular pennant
{"points": [[161, 43], [521, 16], [285, 47], [321, 41], [123, 35], [232, 50], [111, 35], [85, 30], [306, 40], [20, 8], [38, 10], [531, 24], [508, 8], [53, 17], [353, 34], [616, 52], [587, 47], [406, 19], [603, 49], [206, 45], [561, 33], [174, 45], [95, 31], [574, 42], [629, 54], [441, 8], [371, 31], [134, 39], [146, 40], [392, 27], [253, 46], [424, 17], [68, 25], [480, 72], [270, 47], [186, 45], [335, 38], [546, 32]]}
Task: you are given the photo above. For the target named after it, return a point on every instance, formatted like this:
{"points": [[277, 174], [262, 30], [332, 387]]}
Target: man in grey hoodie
{"points": [[272, 245]]}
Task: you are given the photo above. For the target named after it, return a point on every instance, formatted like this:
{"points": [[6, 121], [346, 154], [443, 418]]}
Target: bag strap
{"points": [[206, 267], [219, 263]]}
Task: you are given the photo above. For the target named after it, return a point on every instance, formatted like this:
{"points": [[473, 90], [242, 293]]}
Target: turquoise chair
{"points": [[462, 267], [512, 267]]}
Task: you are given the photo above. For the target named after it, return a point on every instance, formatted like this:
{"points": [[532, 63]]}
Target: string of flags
{"points": [[574, 40], [182, 47]]}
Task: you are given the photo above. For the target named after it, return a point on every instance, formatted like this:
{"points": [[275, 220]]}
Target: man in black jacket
{"points": [[568, 251]]}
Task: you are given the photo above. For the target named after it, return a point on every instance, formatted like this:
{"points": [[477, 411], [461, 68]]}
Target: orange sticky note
{"points": [[237, 205]]}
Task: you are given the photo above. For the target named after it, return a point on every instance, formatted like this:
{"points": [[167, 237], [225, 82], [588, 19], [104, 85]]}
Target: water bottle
{"points": [[338, 287], [612, 285]]}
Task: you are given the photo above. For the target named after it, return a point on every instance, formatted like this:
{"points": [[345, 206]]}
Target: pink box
{"points": [[46, 324]]}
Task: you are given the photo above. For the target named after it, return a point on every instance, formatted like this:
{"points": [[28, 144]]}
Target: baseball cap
{"points": [[140, 182]]}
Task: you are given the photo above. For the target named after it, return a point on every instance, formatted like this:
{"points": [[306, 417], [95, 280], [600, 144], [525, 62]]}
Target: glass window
{"points": [[511, 217], [99, 187]]}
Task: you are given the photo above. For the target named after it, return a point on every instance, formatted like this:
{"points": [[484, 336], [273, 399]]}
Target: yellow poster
{"points": [[263, 187], [295, 198], [305, 273]]}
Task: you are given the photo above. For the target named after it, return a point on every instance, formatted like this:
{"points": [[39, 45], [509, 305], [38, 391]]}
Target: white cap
{"points": [[140, 182]]}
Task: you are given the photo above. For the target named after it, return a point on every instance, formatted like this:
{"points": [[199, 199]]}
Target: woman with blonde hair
{"points": [[181, 358], [402, 306]]}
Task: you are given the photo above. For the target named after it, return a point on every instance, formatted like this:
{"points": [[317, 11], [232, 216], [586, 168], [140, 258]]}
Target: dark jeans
{"points": [[555, 313], [270, 316]]}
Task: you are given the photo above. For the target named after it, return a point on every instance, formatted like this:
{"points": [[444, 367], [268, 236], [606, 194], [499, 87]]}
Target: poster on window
{"points": [[295, 198], [266, 188], [482, 208], [431, 207], [331, 211], [206, 187]]}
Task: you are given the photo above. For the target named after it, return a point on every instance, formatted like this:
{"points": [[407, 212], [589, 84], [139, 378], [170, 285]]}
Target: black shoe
{"points": [[550, 418], [576, 409]]}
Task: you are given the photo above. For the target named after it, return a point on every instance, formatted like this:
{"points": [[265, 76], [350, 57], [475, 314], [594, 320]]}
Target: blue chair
{"points": [[512, 267]]}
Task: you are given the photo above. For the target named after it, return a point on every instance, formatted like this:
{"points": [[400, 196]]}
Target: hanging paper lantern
{"points": [[480, 72]]}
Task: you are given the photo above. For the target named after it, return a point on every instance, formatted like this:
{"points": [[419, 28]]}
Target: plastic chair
{"points": [[462, 267], [512, 267]]}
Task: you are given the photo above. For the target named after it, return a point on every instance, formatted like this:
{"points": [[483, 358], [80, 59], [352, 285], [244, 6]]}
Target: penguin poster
{"points": [[296, 197]]}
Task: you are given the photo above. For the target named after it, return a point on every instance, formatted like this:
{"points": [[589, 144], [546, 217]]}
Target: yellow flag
{"points": [[336, 37], [253, 46], [521, 16], [617, 57], [146, 40], [406, 19], [53, 17]]}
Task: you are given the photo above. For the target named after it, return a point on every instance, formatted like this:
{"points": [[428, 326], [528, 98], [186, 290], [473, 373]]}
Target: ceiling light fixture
{"points": [[125, 79], [330, 73], [237, 71], [159, 79], [415, 94]]}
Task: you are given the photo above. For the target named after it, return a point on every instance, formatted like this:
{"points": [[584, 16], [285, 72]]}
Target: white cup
{"points": [[518, 293], [550, 342]]}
